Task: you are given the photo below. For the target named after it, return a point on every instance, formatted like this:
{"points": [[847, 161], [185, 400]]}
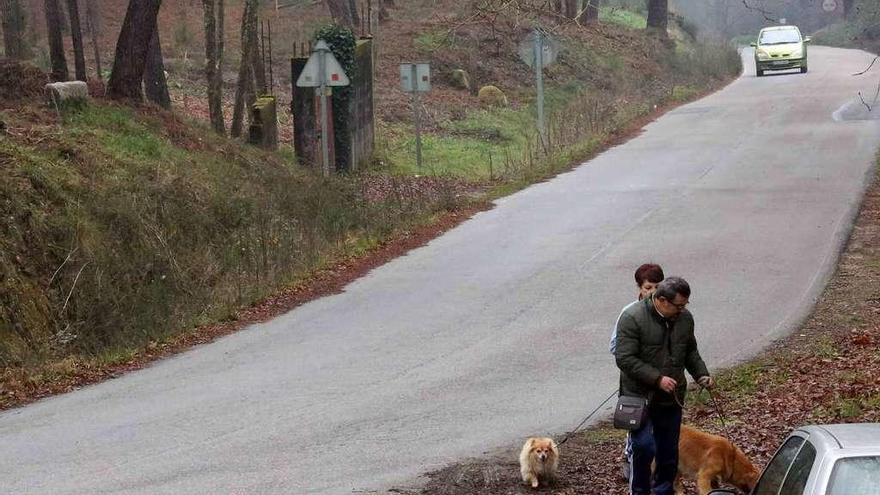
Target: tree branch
{"points": [[765, 13]]}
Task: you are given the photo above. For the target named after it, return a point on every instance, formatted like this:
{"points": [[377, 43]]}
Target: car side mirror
{"points": [[807, 39], [753, 45], [722, 492]]}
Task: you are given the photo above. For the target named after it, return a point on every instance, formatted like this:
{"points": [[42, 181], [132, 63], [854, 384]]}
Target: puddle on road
{"points": [[856, 110]]}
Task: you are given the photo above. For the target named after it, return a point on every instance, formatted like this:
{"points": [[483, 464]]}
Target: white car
{"points": [[824, 460]]}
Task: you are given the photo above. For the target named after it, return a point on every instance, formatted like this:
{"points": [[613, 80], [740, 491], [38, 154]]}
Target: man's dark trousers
{"points": [[657, 438]]}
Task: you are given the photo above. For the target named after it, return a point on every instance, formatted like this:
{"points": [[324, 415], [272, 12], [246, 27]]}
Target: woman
{"points": [[647, 277]]}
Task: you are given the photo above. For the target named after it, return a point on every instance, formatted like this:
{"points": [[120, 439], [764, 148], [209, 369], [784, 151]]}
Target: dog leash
{"points": [[576, 428], [715, 404], [718, 411]]}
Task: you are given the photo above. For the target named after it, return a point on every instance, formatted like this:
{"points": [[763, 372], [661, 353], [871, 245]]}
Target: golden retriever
{"points": [[538, 461], [711, 460]]}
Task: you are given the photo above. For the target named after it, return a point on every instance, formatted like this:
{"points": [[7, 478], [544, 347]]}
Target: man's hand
{"points": [[706, 382], [667, 384]]}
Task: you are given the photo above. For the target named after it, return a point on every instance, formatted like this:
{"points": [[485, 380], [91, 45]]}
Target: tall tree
{"points": [[589, 12], [658, 15], [213, 59], [79, 58], [849, 7], [93, 24], [571, 8], [155, 85], [56, 41], [244, 90], [340, 11], [355, 18], [14, 24], [131, 50], [258, 67]]}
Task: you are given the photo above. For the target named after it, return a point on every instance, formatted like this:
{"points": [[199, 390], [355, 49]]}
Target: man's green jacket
{"points": [[649, 347]]}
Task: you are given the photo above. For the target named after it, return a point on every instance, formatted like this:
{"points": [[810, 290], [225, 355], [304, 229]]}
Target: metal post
{"points": [[325, 144], [539, 79], [418, 118]]}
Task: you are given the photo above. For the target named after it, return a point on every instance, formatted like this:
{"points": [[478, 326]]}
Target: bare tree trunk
{"points": [[590, 12], [34, 34], [213, 47], [849, 8], [155, 85], [79, 57], [94, 27], [221, 39], [14, 23], [340, 11], [658, 15], [56, 41], [244, 89], [258, 68], [131, 50], [722, 18], [355, 18]]}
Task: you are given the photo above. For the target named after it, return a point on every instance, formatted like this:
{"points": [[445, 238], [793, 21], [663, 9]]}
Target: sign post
{"points": [[323, 71], [415, 79], [538, 50], [539, 82]]}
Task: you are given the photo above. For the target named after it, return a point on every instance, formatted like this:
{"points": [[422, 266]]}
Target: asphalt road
{"points": [[498, 329]]}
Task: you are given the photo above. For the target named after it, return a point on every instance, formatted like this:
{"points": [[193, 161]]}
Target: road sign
{"points": [[415, 81], [538, 50], [549, 49], [321, 71], [322, 61], [829, 5]]}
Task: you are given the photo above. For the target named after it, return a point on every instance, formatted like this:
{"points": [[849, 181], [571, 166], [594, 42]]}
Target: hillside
{"points": [[126, 230], [606, 60]]}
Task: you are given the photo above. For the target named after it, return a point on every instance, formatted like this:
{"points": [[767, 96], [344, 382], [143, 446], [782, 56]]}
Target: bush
{"points": [[124, 229]]}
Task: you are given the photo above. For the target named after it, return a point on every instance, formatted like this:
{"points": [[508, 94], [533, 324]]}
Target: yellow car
{"points": [[780, 48]]}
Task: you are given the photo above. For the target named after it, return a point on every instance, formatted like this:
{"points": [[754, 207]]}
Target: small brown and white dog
{"points": [[711, 460], [538, 461]]}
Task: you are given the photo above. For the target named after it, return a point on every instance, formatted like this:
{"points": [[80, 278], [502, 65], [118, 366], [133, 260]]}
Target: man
{"points": [[647, 277], [655, 344]]}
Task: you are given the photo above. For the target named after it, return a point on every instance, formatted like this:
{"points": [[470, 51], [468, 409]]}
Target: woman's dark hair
{"points": [[649, 272]]}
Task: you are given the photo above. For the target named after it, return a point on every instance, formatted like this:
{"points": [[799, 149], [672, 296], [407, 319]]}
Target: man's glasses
{"points": [[678, 306]]}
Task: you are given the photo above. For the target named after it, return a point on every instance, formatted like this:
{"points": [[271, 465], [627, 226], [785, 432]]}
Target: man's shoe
{"points": [[624, 470]]}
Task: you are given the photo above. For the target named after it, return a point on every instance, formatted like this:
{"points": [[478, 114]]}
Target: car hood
{"points": [[781, 50]]}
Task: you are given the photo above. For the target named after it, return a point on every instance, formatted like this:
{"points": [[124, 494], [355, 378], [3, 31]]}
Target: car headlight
{"points": [[799, 53], [762, 55]]}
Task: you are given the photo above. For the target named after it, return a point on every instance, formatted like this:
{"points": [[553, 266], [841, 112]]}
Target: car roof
{"points": [[845, 436]]}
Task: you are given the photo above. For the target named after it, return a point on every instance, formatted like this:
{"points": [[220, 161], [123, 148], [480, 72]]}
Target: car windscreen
{"points": [[779, 36], [855, 476]]}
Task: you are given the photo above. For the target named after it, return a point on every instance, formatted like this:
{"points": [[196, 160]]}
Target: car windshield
{"points": [[779, 36], [855, 476]]}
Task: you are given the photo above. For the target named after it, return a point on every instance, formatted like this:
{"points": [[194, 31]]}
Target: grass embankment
{"points": [[605, 78], [123, 228]]}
